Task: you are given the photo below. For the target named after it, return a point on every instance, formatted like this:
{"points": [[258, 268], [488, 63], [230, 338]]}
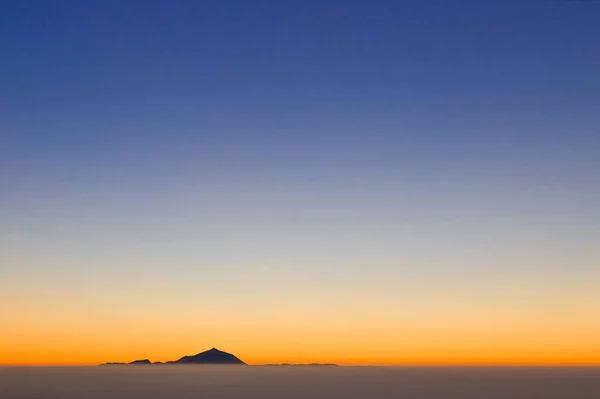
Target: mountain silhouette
{"points": [[212, 356]]}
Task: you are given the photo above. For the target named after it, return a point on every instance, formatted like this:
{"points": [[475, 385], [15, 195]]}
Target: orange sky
{"points": [[384, 336], [512, 318]]}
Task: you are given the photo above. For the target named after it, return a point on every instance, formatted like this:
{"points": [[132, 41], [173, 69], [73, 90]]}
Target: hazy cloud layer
{"points": [[229, 382]]}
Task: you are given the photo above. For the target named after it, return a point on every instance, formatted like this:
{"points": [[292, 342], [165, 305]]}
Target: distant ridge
{"points": [[211, 356], [141, 362], [302, 365]]}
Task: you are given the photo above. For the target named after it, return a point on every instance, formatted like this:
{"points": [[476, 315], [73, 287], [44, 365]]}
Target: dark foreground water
{"points": [[237, 382]]}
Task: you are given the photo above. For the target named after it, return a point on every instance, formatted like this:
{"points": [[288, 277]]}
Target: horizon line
{"points": [[407, 364]]}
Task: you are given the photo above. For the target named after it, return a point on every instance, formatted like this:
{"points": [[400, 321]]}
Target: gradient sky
{"points": [[361, 182]]}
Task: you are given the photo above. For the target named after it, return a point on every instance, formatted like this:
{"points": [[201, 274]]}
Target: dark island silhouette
{"points": [[212, 356]]}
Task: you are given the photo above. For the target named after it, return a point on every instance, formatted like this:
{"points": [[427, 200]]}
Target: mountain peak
{"points": [[211, 356]]}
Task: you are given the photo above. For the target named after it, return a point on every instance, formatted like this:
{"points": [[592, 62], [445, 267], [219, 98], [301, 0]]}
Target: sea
{"points": [[264, 382]]}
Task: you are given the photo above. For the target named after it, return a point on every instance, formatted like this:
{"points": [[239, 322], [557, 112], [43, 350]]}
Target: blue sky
{"points": [[317, 145]]}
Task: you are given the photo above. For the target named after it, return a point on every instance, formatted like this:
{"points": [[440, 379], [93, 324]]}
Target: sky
{"points": [[389, 182]]}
